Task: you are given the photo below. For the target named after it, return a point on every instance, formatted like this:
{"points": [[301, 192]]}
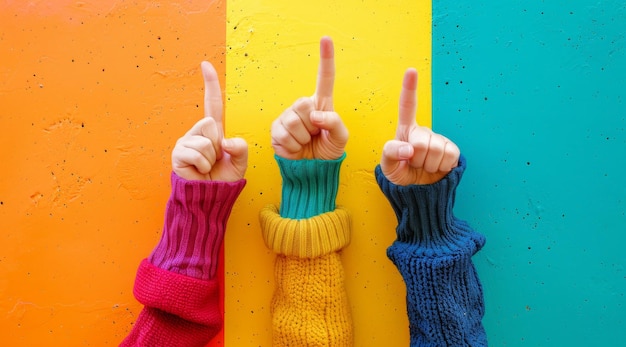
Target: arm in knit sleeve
{"points": [[310, 306], [433, 253], [177, 283]]}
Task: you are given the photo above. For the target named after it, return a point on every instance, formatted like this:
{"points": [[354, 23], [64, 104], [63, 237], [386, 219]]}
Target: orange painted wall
{"points": [[93, 96]]}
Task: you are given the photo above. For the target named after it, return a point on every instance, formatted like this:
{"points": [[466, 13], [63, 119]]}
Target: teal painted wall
{"points": [[534, 93]]}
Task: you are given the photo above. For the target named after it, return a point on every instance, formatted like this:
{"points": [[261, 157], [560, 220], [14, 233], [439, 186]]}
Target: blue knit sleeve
{"points": [[433, 251]]}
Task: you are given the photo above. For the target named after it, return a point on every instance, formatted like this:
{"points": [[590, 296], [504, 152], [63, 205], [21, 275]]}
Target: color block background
{"points": [[94, 95]]}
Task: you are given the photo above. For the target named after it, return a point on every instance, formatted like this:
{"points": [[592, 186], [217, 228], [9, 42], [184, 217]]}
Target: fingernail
{"points": [[404, 152]]}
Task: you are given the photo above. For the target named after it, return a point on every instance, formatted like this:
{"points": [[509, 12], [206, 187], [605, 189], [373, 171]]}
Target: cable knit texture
{"points": [[433, 253], [310, 305], [177, 284]]}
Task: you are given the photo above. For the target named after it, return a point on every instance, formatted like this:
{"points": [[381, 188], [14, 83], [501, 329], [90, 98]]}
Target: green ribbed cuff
{"points": [[309, 186]]}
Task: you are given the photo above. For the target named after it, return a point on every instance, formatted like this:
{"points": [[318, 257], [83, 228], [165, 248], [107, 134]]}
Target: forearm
{"points": [[433, 253], [177, 283], [310, 305]]}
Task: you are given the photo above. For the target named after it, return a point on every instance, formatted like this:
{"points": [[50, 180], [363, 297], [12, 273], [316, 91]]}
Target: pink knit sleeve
{"points": [[177, 283]]}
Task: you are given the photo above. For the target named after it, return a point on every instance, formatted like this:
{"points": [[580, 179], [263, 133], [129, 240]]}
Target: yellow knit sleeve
{"points": [[310, 306]]}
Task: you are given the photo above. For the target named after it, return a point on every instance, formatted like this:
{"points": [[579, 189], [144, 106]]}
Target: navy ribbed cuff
{"points": [[424, 213]]}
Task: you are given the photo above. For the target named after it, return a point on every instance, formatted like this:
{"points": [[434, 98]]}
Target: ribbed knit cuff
{"points": [[191, 299], [305, 238], [309, 186], [433, 254], [425, 216], [195, 221]]}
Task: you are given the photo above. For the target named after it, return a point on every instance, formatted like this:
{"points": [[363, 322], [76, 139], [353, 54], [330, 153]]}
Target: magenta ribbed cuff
{"points": [[195, 221]]}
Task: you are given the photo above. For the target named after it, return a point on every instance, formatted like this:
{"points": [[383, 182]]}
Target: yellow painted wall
{"points": [[272, 55]]}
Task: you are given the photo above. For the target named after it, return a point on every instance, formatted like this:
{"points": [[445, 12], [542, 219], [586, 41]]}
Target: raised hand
{"points": [[310, 128], [203, 153], [417, 155]]}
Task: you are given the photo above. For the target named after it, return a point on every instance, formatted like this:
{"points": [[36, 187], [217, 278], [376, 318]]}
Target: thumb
{"points": [[330, 121], [237, 148], [395, 154]]}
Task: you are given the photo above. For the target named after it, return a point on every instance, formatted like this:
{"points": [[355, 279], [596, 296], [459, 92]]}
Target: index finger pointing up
{"points": [[325, 76], [408, 99], [213, 106]]}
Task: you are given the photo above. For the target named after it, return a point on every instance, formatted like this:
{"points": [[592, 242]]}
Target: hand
{"points": [[417, 155], [310, 128], [203, 153]]}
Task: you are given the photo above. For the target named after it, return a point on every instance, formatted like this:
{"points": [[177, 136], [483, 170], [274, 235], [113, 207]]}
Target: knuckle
{"points": [[302, 101], [302, 105], [436, 148], [420, 145], [206, 146], [280, 137], [195, 157], [290, 121]]}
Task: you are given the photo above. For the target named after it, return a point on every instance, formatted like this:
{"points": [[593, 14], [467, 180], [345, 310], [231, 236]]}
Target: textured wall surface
{"points": [[95, 93], [534, 93], [272, 58]]}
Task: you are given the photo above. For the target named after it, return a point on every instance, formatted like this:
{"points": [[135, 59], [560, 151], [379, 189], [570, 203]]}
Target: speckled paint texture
{"points": [[534, 94], [272, 57], [93, 96], [95, 93]]}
